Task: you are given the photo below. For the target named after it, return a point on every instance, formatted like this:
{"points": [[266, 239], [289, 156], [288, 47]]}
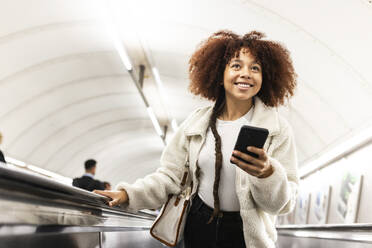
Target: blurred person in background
{"points": [[87, 181], [107, 185], [2, 158]]}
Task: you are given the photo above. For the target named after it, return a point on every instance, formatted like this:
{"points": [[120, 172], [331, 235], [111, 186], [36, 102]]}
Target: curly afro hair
{"points": [[207, 65]]}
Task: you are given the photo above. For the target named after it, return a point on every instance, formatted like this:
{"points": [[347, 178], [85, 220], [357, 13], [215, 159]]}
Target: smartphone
{"points": [[250, 136]]}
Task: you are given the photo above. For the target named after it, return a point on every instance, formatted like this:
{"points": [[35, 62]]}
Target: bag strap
{"points": [[186, 172]]}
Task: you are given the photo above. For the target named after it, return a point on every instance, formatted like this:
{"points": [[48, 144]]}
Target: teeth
{"points": [[244, 85]]}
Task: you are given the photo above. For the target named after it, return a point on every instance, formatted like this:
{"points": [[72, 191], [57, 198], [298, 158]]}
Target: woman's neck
{"points": [[234, 110]]}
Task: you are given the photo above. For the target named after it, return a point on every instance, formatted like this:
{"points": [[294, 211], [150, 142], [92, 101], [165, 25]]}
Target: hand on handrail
{"points": [[117, 197]]}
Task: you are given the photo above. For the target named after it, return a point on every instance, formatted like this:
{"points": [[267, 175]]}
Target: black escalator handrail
{"points": [[358, 232], [325, 227], [27, 182]]}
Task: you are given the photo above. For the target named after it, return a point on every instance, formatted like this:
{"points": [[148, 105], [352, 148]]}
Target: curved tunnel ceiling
{"points": [[65, 95]]}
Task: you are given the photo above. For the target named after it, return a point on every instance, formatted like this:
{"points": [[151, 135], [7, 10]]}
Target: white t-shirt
{"points": [[228, 131]]}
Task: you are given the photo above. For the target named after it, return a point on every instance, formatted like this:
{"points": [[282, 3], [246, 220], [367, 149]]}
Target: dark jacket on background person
{"points": [[88, 183], [2, 159]]}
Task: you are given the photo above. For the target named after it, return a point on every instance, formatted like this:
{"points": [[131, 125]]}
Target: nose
{"points": [[245, 72]]}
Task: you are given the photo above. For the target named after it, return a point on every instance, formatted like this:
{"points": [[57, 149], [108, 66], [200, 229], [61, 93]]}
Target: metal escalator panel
{"points": [[327, 236], [39, 212]]}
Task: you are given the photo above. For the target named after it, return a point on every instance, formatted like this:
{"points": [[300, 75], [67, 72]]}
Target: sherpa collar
{"points": [[263, 116]]}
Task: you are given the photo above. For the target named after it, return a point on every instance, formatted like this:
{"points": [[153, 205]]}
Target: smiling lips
{"points": [[244, 86]]}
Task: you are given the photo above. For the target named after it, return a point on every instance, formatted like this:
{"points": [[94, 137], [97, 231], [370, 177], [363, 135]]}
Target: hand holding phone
{"points": [[255, 163], [250, 136]]}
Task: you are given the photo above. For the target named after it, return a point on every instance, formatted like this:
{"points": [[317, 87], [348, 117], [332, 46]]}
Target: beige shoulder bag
{"points": [[169, 225]]}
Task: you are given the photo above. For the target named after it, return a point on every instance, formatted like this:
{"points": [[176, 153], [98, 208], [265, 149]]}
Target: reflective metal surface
{"points": [[75, 240], [352, 233], [37, 212], [24, 186], [359, 226], [17, 230], [28, 213], [340, 236], [297, 242], [30, 199], [139, 239]]}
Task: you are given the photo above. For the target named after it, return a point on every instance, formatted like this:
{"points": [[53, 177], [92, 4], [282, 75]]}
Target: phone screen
{"points": [[251, 136]]}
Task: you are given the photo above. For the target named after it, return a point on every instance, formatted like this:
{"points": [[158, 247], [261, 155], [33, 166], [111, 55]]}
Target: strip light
{"points": [[155, 122], [122, 53], [113, 30], [163, 95], [114, 34]]}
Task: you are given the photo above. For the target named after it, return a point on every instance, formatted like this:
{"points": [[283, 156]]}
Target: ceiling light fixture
{"points": [[119, 46], [162, 93], [155, 122], [114, 34]]}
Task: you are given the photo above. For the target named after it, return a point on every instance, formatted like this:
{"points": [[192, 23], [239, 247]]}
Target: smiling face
{"points": [[242, 77]]}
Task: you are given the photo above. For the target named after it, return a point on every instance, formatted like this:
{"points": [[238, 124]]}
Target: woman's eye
{"points": [[255, 68], [235, 66]]}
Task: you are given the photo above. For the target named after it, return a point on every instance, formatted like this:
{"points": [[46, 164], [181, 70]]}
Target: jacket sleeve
{"points": [[277, 193], [99, 185], [152, 191], [75, 182]]}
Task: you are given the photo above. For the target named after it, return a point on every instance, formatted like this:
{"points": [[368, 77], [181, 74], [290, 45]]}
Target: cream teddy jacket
{"points": [[261, 199]]}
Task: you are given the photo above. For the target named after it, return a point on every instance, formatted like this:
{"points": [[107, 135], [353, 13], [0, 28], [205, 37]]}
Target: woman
{"points": [[234, 203]]}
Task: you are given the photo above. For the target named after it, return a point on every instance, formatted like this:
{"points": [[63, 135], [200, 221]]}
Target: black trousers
{"points": [[225, 231]]}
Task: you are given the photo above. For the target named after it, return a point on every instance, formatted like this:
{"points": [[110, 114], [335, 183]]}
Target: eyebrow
{"points": [[239, 60]]}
